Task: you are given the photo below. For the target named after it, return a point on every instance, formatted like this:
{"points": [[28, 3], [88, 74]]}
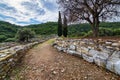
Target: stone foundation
{"points": [[104, 53], [10, 57]]}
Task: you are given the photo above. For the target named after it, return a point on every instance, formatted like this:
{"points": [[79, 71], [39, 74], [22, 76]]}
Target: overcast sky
{"points": [[25, 12]]}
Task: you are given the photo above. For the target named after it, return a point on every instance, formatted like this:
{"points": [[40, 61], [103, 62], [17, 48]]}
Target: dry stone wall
{"points": [[10, 57], [104, 53]]}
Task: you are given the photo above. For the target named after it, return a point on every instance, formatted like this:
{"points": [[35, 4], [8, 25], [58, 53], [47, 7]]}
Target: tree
{"points": [[92, 11], [65, 31], [23, 35], [59, 25]]}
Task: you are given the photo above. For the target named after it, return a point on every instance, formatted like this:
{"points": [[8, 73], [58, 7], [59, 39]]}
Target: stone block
{"points": [[59, 48], [115, 44], [87, 58], [71, 52], [93, 53], [113, 64], [101, 59], [78, 54], [108, 43], [72, 47]]}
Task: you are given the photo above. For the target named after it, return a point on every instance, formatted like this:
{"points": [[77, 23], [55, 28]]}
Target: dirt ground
{"points": [[43, 62]]}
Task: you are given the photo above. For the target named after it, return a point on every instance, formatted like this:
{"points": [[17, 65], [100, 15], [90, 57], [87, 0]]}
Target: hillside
{"points": [[8, 31], [45, 28], [106, 29]]}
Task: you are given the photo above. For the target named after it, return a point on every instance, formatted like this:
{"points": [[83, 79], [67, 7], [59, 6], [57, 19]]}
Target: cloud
{"points": [[25, 12]]}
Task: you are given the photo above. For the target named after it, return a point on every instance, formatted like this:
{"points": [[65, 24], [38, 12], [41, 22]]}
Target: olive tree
{"points": [[23, 35]]}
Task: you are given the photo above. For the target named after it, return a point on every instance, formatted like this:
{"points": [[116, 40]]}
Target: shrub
{"points": [[116, 32], [10, 40], [2, 38], [89, 34]]}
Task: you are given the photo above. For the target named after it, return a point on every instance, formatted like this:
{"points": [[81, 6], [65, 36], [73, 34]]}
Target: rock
{"points": [[108, 43], [54, 72], [63, 70], [101, 59], [59, 48], [72, 47], [71, 52], [87, 58], [113, 64], [116, 54], [84, 50], [93, 53], [115, 44], [3, 55], [109, 47], [78, 54], [107, 50]]}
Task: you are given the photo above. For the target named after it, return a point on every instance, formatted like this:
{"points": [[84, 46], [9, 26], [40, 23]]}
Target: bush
{"points": [[89, 34], [10, 40], [2, 38], [23, 35], [109, 32], [116, 32]]}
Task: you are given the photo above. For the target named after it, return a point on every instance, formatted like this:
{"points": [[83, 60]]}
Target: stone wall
{"points": [[104, 53], [10, 57]]}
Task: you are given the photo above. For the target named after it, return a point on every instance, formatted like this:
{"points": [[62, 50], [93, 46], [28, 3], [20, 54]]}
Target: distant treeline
{"points": [[8, 31]]}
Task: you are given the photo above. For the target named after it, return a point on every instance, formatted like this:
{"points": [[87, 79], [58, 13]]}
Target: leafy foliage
{"points": [[8, 31], [23, 35], [2, 38], [48, 28], [10, 40]]}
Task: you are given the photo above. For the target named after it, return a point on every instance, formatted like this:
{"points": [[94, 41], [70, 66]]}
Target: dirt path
{"points": [[43, 62]]}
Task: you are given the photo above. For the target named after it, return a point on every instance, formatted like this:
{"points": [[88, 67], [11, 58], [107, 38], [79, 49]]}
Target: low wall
{"points": [[104, 53], [10, 57]]}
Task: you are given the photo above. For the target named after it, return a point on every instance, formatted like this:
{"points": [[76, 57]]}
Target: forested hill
{"points": [[8, 31], [44, 28]]}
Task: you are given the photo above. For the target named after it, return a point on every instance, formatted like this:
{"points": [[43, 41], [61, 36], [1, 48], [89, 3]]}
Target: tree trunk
{"points": [[95, 29], [96, 32], [95, 26]]}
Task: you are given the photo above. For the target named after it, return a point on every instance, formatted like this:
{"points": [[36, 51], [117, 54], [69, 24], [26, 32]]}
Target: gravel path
{"points": [[43, 62]]}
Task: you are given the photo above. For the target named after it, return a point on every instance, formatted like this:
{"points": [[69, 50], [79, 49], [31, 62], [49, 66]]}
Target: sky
{"points": [[26, 12]]}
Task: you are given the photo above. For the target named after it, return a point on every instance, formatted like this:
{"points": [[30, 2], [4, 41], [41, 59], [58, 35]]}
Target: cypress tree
{"points": [[65, 30], [59, 25]]}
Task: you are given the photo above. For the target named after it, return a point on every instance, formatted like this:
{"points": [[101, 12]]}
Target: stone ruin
{"points": [[104, 53], [10, 57]]}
